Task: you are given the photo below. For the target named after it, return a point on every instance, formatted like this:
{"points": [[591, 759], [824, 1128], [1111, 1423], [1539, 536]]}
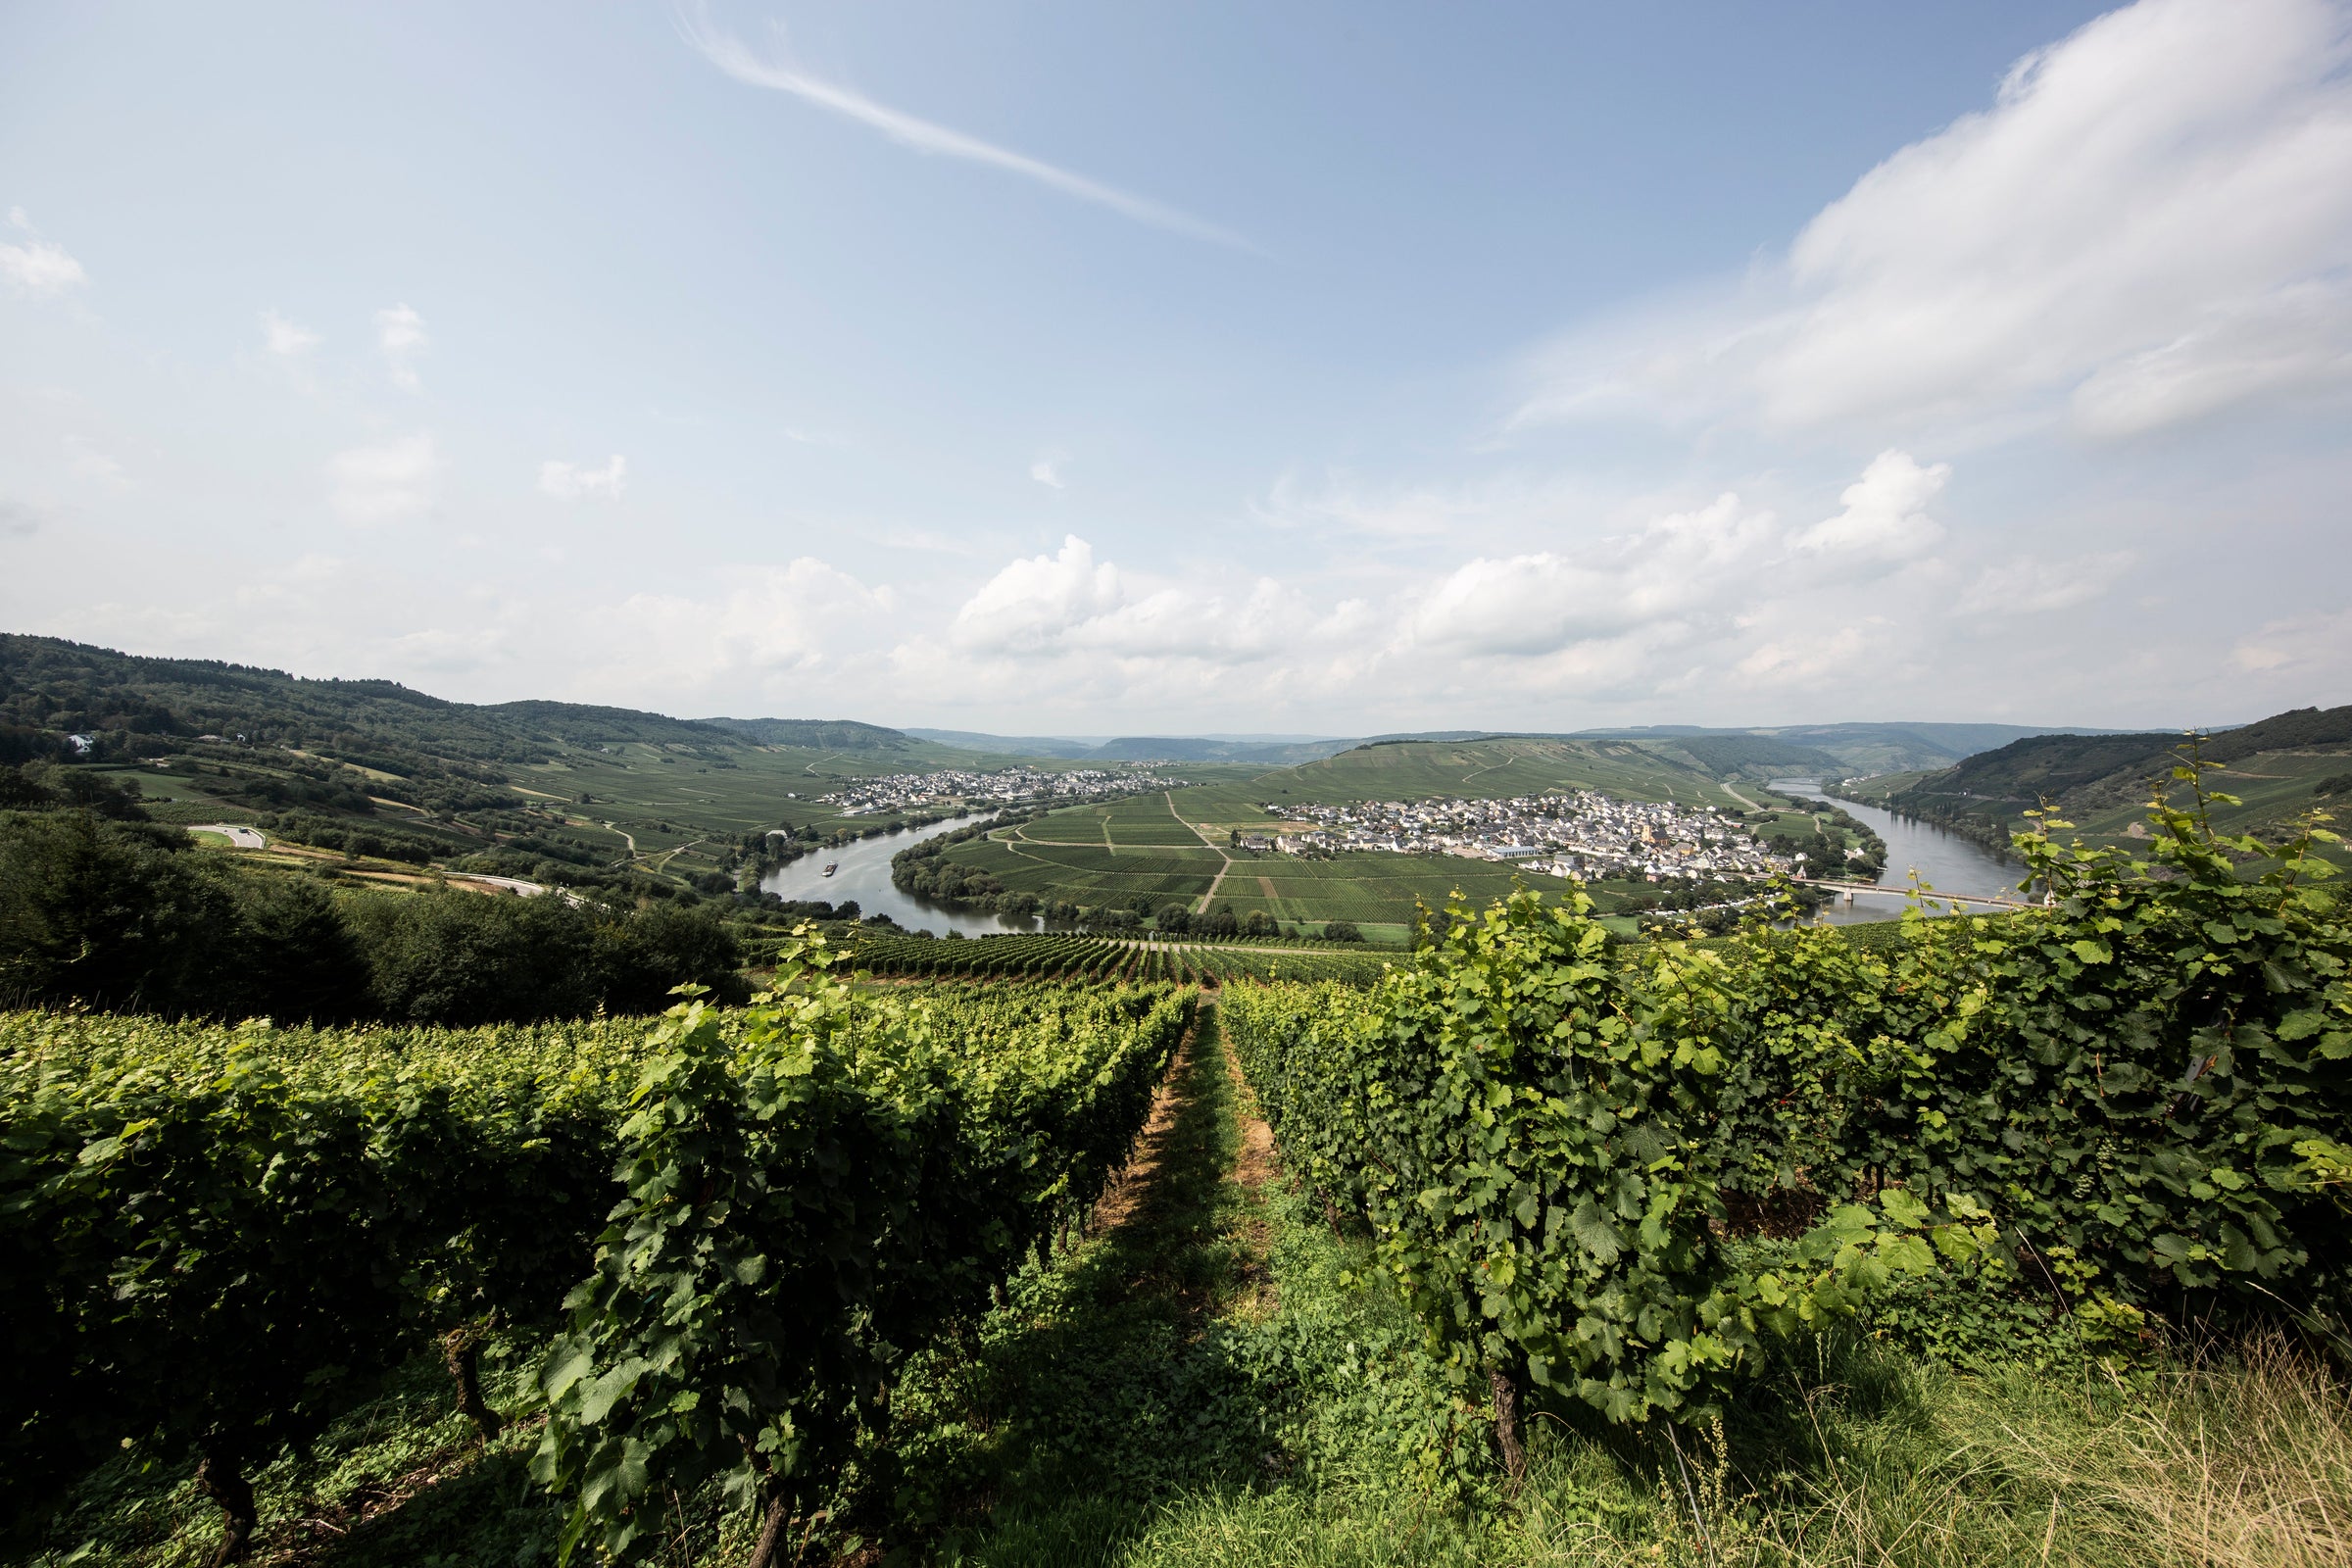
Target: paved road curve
{"points": [[242, 838]]}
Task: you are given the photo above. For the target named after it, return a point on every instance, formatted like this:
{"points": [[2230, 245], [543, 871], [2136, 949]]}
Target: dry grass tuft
{"points": [[2243, 1463]]}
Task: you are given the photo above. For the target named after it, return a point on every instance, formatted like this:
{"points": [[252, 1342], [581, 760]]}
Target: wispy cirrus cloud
{"points": [[576, 481], [780, 74], [2150, 224]]}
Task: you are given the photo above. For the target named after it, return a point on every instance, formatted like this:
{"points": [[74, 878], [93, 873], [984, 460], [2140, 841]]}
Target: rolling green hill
{"points": [[524, 788], [1849, 749], [1414, 770], [966, 740], [814, 734], [2280, 767]]}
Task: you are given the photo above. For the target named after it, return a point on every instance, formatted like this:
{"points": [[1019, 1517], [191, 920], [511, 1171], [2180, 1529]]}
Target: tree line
{"points": [[102, 909]]}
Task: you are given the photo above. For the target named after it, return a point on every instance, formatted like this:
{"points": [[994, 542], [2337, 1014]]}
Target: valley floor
{"points": [[1206, 1379]]}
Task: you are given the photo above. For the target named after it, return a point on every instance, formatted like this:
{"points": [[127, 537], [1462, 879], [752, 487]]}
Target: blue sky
{"points": [[1115, 368]]}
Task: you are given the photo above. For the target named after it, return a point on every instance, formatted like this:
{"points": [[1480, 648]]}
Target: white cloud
{"points": [[1033, 604], [1046, 470], [383, 484], [2151, 223], [283, 338], [39, 266], [400, 334], [568, 481], [2297, 338], [1885, 515], [1690, 601], [1682, 565], [18, 520], [780, 74]]}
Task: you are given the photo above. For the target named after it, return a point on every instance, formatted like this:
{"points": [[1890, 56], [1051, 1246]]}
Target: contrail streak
{"points": [[732, 56]]}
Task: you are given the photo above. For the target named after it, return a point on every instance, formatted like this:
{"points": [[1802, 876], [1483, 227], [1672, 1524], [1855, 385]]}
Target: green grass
{"points": [[1313, 1430], [1364, 887]]}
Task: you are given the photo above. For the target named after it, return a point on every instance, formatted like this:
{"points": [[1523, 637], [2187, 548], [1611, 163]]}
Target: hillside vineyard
{"points": [[420, 1140]]}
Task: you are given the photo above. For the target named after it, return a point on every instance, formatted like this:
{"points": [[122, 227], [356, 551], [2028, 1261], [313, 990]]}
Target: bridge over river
{"points": [[1925, 895]]}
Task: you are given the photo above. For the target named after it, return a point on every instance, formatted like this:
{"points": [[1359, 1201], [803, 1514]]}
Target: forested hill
{"points": [[2282, 766], [134, 706], [1838, 749], [2047, 766], [816, 734]]}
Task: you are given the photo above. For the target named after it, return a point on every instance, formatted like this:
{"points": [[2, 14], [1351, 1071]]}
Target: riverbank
{"points": [[1933, 855]]}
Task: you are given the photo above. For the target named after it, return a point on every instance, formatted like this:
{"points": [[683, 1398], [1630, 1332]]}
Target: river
{"points": [[864, 876], [1942, 860]]}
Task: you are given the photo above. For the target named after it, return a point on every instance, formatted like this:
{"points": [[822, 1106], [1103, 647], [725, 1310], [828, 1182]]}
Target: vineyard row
{"points": [[1574, 1155], [1071, 957], [725, 1234]]}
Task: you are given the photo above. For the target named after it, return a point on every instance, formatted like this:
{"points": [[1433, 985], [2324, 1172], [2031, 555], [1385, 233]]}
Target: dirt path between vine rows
{"points": [[1258, 1163], [1165, 1203], [1132, 1187], [1255, 1164]]}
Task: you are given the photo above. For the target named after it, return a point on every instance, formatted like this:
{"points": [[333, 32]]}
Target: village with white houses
{"points": [[1582, 835], [901, 792]]}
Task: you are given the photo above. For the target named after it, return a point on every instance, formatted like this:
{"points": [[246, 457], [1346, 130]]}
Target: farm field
{"points": [[1050, 860], [1138, 823]]}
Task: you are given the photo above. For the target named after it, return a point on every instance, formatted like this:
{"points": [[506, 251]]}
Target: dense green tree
{"points": [[129, 916], [640, 958], [113, 914], [292, 956], [461, 958]]}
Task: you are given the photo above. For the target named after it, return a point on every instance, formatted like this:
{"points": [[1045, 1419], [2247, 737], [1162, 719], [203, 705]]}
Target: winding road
{"points": [[239, 838]]}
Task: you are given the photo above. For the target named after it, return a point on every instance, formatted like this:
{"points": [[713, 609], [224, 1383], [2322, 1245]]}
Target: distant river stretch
{"points": [[1944, 860], [864, 876]]}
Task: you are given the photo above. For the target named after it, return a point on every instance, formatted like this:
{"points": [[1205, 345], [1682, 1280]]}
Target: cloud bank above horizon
{"points": [[2042, 417]]}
